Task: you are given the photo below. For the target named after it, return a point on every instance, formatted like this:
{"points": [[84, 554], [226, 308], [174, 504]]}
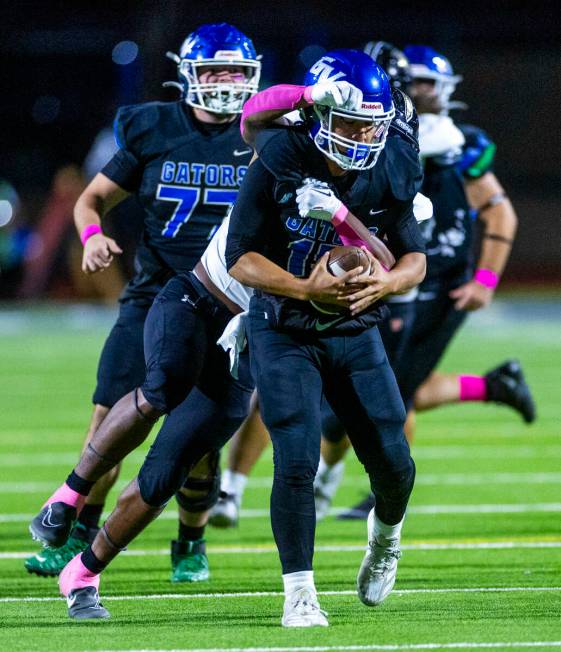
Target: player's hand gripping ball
{"points": [[341, 260]]}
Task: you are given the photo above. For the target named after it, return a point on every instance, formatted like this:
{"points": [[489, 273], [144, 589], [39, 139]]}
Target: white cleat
{"points": [[226, 512], [376, 576], [325, 486], [301, 609]]}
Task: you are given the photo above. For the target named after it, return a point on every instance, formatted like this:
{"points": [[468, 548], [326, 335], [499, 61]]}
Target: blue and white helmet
{"points": [[426, 63], [377, 108], [217, 45]]}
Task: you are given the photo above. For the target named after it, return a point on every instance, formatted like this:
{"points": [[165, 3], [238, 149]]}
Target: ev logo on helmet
{"points": [[324, 71]]}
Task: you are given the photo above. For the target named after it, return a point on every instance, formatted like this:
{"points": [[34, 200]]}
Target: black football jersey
{"points": [[449, 234], [185, 175], [265, 218]]}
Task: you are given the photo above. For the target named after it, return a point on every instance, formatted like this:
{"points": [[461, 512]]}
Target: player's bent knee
{"points": [[296, 474], [158, 486]]}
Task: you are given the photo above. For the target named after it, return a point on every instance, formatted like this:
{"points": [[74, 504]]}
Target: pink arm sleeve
{"points": [[349, 237], [283, 97]]}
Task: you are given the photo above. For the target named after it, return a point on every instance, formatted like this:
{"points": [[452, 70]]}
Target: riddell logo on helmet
{"points": [[227, 54], [376, 106]]}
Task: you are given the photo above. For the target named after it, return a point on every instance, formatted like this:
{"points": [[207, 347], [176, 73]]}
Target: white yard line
{"points": [[258, 594], [364, 648], [248, 550], [429, 480], [423, 452], [505, 508]]}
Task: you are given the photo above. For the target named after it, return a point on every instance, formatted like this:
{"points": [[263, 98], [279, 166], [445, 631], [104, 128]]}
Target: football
{"points": [[343, 259], [340, 261]]}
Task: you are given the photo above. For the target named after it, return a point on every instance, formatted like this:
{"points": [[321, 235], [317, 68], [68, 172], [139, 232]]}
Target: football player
{"points": [[184, 161], [291, 207], [460, 182], [274, 105]]}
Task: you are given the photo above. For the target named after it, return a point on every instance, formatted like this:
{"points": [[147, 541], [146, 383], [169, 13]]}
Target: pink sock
{"points": [[64, 494], [473, 388], [76, 576]]}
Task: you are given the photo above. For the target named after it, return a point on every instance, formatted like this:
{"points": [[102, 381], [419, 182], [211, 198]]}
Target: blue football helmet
{"points": [[376, 109], [217, 45], [426, 63]]}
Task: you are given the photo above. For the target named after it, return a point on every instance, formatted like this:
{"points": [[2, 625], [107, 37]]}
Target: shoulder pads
{"points": [[478, 153], [133, 122], [280, 149], [403, 169], [405, 124]]}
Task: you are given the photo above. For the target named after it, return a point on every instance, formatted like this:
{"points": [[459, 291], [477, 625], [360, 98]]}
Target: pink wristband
{"points": [[487, 277], [88, 231]]}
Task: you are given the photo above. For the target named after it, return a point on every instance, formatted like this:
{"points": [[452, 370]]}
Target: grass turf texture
{"points": [[479, 464]]}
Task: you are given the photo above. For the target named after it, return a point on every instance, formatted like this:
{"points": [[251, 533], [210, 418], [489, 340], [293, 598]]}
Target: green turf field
{"points": [[481, 567]]}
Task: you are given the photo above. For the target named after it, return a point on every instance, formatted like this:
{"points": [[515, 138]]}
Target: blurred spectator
{"points": [[53, 256]]}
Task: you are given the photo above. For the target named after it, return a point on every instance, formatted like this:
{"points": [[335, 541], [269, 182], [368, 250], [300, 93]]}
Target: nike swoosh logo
{"points": [[242, 152], [323, 326], [40, 559], [373, 212], [47, 518], [70, 601]]}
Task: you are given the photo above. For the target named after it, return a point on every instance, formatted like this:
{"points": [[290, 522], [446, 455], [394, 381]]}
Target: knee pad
{"points": [[396, 477], [208, 489], [157, 486], [296, 474]]}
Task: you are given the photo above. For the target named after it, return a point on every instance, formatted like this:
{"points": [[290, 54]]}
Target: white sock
{"points": [[298, 580], [233, 483], [326, 471], [387, 532]]}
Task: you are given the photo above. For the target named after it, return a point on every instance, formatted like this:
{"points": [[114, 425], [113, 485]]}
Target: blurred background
{"points": [[66, 67]]}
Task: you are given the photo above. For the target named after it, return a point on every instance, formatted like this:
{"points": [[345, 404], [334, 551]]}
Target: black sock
{"points": [[78, 484], [188, 533], [90, 515], [91, 562]]}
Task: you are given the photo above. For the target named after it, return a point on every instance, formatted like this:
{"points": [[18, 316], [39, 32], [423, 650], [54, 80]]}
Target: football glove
{"points": [[316, 199], [339, 94]]}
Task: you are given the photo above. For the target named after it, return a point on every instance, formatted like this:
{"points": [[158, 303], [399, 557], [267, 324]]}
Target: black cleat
{"points": [[506, 385], [53, 524], [359, 511], [84, 604]]}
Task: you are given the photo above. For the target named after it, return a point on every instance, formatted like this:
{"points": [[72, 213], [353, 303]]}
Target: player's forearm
{"points": [[500, 225], [100, 195], [88, 210], [256, 271], [408, 272], [269, 105]]}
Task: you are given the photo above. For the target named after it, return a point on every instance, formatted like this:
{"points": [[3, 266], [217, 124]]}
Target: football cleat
{"points": [[189, 562], [84, 604], [376, 576], [49, 562], [226, 512], [301, 609], [506, 385], [53, 524], [325, 486], [360, 511]]}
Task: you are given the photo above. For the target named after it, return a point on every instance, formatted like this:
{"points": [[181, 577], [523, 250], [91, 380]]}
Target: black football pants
{"points": [[291, 372]]}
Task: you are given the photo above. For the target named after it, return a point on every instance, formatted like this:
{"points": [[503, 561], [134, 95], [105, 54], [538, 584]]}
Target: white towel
{"points": [[233, 340]]}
